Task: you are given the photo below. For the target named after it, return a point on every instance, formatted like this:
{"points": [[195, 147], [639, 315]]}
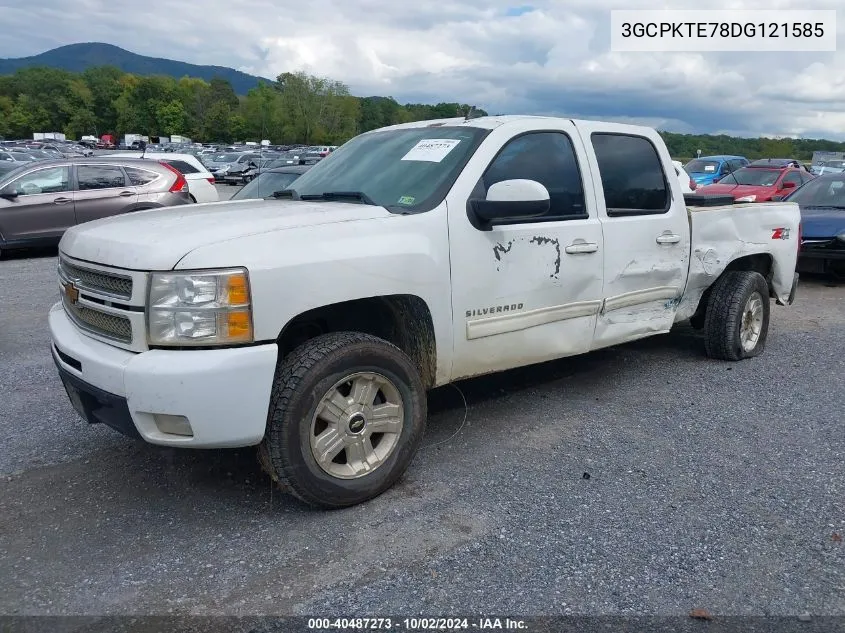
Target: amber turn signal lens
{"points": [[238, 325], [237, 290]]}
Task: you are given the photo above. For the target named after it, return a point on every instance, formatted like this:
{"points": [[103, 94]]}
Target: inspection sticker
{"points": [[406, 200], [431, 150]]}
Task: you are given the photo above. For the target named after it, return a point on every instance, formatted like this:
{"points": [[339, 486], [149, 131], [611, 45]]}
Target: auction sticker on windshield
{"points": [[432, 150]]}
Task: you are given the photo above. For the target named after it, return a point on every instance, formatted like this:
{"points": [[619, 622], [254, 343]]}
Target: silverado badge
{"points": [[71, 292]]}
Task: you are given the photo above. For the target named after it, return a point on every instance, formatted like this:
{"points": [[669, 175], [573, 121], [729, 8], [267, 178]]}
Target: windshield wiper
{"points": [[339, 195], [284, 193], [824, 206]]}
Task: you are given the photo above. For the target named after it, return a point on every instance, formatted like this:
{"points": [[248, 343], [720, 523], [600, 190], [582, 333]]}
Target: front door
{"points": [[646, 234], [527, 291], [42, 210], [101, 191]]}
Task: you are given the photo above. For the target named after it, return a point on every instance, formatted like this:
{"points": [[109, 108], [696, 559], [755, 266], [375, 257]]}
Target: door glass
{"points": [[631, 174], [548, 158], [99, 177], [52, 180]]}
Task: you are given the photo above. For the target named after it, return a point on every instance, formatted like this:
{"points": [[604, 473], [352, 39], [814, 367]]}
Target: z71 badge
{"points": [[780, 234]]}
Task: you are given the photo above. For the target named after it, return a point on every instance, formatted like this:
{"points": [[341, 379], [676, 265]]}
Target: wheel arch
{"points": [[404, 320], [762, 263]]}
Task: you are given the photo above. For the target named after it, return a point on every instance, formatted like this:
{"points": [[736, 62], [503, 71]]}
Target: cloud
{"points": [[543, 57]]}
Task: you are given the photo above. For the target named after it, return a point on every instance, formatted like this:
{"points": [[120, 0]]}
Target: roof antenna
{"points": [[469, 113], [143, 148]]}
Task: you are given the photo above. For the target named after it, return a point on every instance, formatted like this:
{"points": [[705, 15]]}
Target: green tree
{"points": [[171, 117], [217, 125]]}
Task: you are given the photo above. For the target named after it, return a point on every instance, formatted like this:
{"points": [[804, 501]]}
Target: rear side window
{"points": [[99, 177], [140, 176], [632, 175], [181, 165], [548, 158]]}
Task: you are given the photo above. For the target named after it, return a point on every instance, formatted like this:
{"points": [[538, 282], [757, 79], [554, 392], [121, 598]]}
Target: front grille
{"points": [[96, 281], [101, 323]]}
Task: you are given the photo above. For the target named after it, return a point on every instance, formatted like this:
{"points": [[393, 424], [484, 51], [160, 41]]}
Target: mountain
{"points": [[78, 57]]}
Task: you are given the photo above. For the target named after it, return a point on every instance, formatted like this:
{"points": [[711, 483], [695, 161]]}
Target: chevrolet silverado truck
{"points": [[312, 324]]}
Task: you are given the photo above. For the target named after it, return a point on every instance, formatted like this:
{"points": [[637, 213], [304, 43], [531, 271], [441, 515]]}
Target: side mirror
{"points": [[787, 185], [9, 193], [841, 237], [509, 200]]}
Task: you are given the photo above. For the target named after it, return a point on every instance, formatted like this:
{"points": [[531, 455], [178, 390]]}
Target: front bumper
{"points": [[223, 394]]}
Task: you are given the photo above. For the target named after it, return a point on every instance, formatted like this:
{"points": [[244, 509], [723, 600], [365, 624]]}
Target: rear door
{"points": [[102, 191], [646, 232], [43, 208]]}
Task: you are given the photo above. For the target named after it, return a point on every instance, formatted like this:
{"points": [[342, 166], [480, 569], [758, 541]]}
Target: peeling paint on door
{"points": [[540, 241]]}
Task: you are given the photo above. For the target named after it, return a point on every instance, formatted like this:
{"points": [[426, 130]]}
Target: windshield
{"points": [[9, 171], [407, 169], [825, 191], [702, 166], [265, 185], [752, 176]]}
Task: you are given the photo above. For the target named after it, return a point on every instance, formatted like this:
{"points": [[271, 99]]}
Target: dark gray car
{"points": [[40, 201]]}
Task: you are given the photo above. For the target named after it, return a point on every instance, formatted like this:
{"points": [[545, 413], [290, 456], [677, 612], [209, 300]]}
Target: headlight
{"points": [[205, 307], [750, 198]]}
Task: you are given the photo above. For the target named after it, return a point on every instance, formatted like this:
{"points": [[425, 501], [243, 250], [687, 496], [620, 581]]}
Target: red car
{"points": [[759, 183]]}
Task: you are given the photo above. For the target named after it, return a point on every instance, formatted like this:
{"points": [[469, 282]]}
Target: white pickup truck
{"points": [[312, 324]]}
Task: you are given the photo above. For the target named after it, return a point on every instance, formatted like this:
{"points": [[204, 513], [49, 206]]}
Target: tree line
{"points": [[296, 108], [684, 146]]}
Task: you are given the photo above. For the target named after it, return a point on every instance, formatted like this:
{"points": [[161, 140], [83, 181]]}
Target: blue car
{"points": [[709, 169], [822, 204]]}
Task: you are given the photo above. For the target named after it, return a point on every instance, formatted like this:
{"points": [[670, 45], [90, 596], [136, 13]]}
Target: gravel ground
{"points": [[643, 479]]}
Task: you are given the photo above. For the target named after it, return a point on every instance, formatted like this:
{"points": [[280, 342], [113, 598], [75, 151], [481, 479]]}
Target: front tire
{"points": [[346, 418], [736, 324]]}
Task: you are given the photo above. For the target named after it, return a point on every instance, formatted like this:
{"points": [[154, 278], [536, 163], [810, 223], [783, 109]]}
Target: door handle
{"points": [[668, 238], [62, 200], [126, 194], [581, 247]]}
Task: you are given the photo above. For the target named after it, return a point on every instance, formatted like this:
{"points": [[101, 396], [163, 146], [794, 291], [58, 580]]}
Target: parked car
{"points": [[759, 183], [269, 182], [688, 185], [709, 169], [221, 164], [200, 181], [828, 167], [778, 162], [40, 201], [17, 157], [414, 256], [822, 204]]}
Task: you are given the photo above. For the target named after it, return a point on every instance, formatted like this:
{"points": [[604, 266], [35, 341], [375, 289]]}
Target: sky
{"points": [[548, 57]]}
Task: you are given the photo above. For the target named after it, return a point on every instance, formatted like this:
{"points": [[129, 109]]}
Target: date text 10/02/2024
{"points": [[415, 624]]}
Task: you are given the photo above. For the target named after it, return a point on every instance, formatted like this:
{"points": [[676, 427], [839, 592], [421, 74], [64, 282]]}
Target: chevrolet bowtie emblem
{"points": [[71, 292]]}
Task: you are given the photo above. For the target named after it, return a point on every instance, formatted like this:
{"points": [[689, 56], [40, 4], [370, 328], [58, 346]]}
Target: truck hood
{"points": [[822, 223], [156, 239], [738, 191]]}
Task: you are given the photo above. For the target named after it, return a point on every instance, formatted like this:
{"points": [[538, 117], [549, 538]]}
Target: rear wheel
{"points": [[736, 324], [346, 418]]}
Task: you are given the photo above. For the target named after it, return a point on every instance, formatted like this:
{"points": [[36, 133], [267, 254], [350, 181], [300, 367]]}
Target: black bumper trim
{"points": [[95, 405]]}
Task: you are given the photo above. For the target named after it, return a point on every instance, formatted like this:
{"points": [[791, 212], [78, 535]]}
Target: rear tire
{"points": [[736, 324], [347, 415]]}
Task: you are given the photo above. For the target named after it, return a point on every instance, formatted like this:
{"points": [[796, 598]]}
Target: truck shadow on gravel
{"points": [[235, 476]]}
